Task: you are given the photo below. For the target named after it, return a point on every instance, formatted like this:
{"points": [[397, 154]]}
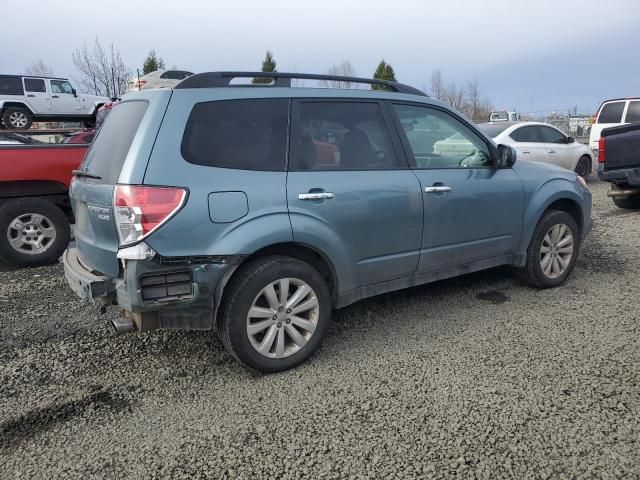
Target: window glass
{"points": [[611, 113], [551, 135], [34, 85], [526, 134], [493, 129], [343, 136], [633, 112], [243, 134], [109, 151], [438, 140], [11, 86], [61, 86]]}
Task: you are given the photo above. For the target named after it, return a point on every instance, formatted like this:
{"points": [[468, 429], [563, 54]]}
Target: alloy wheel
{"points": [[18, 120], [31, 233], [556, 250], [283, 318]]}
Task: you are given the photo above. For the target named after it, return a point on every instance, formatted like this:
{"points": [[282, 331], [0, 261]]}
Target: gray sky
{"points": [[535, 55]]}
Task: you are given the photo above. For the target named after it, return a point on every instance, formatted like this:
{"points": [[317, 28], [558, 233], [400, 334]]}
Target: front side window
{"points": [[242, 134], [551, 135], [526, 134], [61, 86], [343, 136], [34, 85], [633, 112], [611, 113], [438, 140]]}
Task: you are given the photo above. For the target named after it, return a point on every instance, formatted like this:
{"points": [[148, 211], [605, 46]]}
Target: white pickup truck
{"points": [[27, 99]]}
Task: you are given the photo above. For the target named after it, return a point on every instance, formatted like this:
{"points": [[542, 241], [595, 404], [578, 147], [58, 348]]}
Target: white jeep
{"points": [[27, 99]]}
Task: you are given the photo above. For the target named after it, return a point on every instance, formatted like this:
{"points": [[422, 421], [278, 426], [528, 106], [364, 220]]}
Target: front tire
{"points": [[274, 313], [17, 118], [631, 202], [583, 167], [552, 252], [32, 232]]}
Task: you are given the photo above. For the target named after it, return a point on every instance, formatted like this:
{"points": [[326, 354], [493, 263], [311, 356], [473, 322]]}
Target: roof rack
{"points": [[223, 79]]}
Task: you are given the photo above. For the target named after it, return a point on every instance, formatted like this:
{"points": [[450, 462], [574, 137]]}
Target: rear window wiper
{"points": [[80, 173]]}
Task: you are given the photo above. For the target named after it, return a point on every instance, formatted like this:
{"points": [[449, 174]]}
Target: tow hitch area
{"points": [[123, 325]]}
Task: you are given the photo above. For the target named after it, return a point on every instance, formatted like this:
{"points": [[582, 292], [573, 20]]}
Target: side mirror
{"points": [[73, 90], [570, 139], [506, 156]]}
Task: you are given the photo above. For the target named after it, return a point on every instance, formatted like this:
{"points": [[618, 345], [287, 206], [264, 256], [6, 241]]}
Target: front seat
{"points": [[356, 152]]}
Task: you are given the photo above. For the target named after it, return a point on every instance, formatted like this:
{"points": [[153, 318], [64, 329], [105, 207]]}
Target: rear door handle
{"points": [[55, 96], [316, 196], [437, 189], [552, 151], [526, 153]]}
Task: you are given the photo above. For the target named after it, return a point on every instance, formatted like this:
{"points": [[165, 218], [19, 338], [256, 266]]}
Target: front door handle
{"points": [[55, 96], [30, 95], [437, 189], [552, 151], [316, 196], [526, 152]]}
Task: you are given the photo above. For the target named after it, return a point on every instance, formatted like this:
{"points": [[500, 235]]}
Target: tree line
{"points": [[103, 72]]}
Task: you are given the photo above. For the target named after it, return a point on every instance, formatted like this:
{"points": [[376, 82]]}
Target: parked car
{"points": [[27, 99], [504, 116], [158, 79], [35, 213], [619, 163], [210, 206], [541, 142], [611, 113]]}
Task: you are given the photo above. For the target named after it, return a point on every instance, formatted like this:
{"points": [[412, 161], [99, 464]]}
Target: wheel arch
{"points": [[5, 105]]}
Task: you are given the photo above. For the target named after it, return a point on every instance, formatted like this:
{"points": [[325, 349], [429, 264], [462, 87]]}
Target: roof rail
{"points": [[223, 79]]}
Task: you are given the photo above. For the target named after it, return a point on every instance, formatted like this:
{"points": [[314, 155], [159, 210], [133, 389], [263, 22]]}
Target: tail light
{"points": [[141, 210], [601, 155], [139, 84]]}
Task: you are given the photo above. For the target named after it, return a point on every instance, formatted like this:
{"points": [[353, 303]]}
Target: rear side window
{"points": [[10, 86], [633, 112], [242, 134], [34, 85], [611, 113], [109, 150], [526, 134]]}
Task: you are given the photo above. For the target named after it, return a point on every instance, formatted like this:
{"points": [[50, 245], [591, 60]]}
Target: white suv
{"points": [[25, 99], [612, 113], [158, 79]]}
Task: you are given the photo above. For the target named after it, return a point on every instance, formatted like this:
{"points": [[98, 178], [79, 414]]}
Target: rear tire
{"points": [[274, 313], [551, 259], [631, 202], [32, 232], [15, 118], [583, 167]]}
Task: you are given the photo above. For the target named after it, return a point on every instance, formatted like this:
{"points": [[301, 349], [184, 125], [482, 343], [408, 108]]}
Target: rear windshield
{"points": [[611, 113], [492, 130], [110, 147]]}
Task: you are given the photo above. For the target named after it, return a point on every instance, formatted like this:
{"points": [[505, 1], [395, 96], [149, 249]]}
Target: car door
{"points": [[35, 89], [350, 192], [472, 210], [63, 100], [528, 144], [560, 151]]}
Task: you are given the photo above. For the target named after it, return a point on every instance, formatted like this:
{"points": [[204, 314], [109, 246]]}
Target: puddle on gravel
{"points": [[36, 421], [494, 296]]}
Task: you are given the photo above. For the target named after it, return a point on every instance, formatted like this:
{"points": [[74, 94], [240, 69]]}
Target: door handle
{"points": [[316, 196], [55, 96], [437, 189], [30, 95], [552, 151], [526, 153]]}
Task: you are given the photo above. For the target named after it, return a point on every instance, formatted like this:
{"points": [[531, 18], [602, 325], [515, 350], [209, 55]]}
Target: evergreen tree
{"points": [[268, 65], [383, 72], [152, 63]]}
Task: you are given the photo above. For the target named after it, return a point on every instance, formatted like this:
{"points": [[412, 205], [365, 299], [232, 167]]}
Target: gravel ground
{"points": [[477, 377]]}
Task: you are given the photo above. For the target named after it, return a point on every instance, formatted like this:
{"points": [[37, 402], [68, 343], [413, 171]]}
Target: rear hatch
{"points": [[622, 147], [118, 155]]}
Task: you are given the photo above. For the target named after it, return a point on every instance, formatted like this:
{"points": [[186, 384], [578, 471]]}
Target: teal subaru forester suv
{"points": [[255, 211]]}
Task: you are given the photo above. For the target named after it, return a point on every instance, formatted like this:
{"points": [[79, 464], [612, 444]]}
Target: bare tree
{"points": [[39, 69], [455, 96], [473, 99], [102, 70], [437, 85], [345, 69]]}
